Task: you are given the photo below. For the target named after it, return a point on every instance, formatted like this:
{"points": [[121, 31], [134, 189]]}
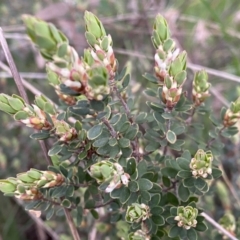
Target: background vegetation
{"points": [[208, 30]]}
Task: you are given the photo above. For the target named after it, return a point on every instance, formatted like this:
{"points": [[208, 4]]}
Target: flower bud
{"points": [[186, 217], [228, 222], [106, 171], [201, 87], [137, 213], [138, 235], [201, 164], [44, 35], [160, 31], [232, 114], [94, 27], [64, 131]]}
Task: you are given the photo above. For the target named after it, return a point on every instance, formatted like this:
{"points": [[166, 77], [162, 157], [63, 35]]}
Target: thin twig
{"points": [[189, 119], [71, 224], [39, 222], [56, 203], [13, 68], [110, 128], [103, 204], [218, 226], [23, 94], [31, 75], [230, 186]]}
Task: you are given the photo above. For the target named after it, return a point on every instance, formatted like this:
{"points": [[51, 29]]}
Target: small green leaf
{"points": [[201, 227], [90, 203], [112, 142], [101, 142], [150, 78], [48, 107], [66, 203], [172, 199], [125, 195], [171, 137], [188, 182], [6, 108], [199, 183], [94, 213], [216, 173], [21, 115], [16, 104], [90, 38], [79, 215], [183, 163], [126, 81], [142, 168], [145, 196], [131, 166], [116, 193], [94, 132], [54, 150], [122, 74], [141, 117], [40, 135], [191, 234], [158, 220], [133, 186], [183, 192], [173, 211], [124, 142], [184, 174], [49, 213], [169, 172], [150, 92], [156, 210], [174, 231], [144, 184]]}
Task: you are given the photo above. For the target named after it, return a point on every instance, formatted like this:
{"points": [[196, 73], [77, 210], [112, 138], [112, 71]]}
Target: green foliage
{"points": [[138, 165]]}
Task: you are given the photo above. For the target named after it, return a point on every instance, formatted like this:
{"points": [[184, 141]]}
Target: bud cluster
{"points": [[137, 213], [138, 235], [71, 75], [228, 222], [32, 116], [101, 44], [111, 173], [232, 114], [35, 116], [26, 186], [170, 63], [64, 131], [186, 217], [201, 87], [201, 164]]}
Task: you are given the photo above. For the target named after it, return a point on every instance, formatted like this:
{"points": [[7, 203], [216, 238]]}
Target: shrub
{"points": [[140, 166]]}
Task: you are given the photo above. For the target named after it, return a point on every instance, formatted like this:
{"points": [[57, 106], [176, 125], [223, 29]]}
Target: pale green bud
{"points": [[94, 27], [7, 186], [186, 217], [137, 213], [160, 31], [201, 164]]}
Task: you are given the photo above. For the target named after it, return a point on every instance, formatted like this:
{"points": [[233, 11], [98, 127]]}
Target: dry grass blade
{"points": [[12, 66], [218, 226]]}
